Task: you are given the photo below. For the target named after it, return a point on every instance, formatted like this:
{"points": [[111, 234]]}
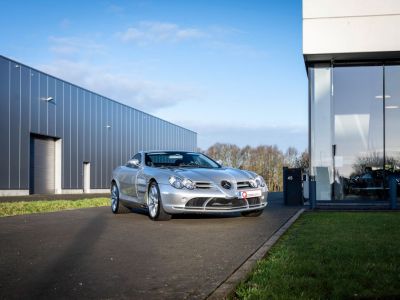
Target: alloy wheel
{"points": [[114, 197], [153, 201]]}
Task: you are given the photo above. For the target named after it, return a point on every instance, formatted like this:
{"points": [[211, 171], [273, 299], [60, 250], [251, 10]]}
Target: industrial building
{"points": [[59, 138], [351, 50]]}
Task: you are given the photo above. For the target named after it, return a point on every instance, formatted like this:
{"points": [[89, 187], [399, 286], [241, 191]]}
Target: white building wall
{"points": [[350, 26]]}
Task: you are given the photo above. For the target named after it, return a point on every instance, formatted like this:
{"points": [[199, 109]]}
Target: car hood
{"points": [[214, 175]]}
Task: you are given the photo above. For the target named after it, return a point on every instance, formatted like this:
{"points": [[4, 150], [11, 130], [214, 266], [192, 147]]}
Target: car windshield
{"points": [[179, 160]]}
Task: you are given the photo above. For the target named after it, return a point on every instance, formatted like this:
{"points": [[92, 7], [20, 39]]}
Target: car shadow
{"points": [[67, 261]]}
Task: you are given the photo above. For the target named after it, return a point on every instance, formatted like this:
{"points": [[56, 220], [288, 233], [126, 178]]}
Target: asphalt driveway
{"points": [[91, 253]]}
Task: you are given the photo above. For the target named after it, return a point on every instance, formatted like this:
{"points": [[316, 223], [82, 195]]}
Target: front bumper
{"points": [[213, 200]]}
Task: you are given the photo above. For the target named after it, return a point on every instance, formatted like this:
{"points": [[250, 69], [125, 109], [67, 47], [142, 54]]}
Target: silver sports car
{"points": [[174, 182]]}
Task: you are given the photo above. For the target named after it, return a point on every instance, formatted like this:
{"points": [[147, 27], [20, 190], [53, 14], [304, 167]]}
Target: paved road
{"points": [[91, 253]]}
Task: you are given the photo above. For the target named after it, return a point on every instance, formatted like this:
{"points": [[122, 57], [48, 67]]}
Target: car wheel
{"points": [[253, 213], [116, 206], [154, 203]]}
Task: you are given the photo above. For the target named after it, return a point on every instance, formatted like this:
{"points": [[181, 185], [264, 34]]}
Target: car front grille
{"points": [[221, 203], [208, 185], [254, 201], [196, 202]]}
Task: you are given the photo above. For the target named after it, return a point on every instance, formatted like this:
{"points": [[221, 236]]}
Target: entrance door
{"points": [[86, 177], [358, 148], [42, 165]]}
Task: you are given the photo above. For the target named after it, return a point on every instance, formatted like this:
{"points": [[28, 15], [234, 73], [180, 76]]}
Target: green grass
{"points": [[331, 255], [31, 207]]}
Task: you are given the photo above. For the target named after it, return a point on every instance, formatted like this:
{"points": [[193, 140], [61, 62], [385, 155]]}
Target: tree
{"points": [[291, 157], [267, 161], [230, 155], [303, 161]]}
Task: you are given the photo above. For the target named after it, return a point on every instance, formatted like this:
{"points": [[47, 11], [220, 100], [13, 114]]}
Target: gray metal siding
{"points": [[14, 125], [35, 100], [78, 117], [4, 123], [24, 128], [66, 140], [51, 107]]}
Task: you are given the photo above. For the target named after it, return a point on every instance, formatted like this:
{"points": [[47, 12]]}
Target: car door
{"points": [[142, 179], [128, 178], [141, 186]]}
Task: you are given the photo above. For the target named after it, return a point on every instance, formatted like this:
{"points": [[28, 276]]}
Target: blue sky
{"points": [[230, 70]]}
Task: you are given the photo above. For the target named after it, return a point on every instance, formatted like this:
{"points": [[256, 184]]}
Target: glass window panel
{"points": [[321, 133], [358, 138], [392, 123]]}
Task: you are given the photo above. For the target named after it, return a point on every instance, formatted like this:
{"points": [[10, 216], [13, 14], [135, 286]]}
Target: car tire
{"points": [[154, 204], [253, 213], [116, 206]]}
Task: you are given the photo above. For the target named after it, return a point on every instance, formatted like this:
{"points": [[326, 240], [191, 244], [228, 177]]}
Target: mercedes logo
{"points": [[226, 184]]}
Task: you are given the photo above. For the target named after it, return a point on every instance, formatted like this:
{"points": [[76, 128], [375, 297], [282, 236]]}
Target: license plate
{"points": [[249, 194]]}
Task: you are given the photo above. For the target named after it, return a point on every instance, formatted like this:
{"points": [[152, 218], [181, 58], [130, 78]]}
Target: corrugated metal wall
{"points": [[93, 128]]}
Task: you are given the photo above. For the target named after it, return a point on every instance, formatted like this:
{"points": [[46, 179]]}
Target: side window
{"points": [[137, 156]]}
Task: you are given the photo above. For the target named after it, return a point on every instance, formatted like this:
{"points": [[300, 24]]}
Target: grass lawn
{"points": [[30, 207], [331, 255]]}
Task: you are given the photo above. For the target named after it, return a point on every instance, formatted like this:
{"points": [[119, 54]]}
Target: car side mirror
{"points": [[133, 163]]}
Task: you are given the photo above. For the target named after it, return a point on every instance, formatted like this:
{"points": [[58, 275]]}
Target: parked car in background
{"points": [[175, 182], [372, 182]]}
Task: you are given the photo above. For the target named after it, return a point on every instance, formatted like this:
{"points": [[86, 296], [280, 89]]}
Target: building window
{"points": [[355, 144]]}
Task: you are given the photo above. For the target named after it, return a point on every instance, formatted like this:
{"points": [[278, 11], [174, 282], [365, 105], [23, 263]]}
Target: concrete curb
{"points": [[227, 287]]}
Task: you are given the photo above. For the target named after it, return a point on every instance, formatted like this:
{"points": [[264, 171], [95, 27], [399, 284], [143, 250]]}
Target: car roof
{"points": [[167, 151]]}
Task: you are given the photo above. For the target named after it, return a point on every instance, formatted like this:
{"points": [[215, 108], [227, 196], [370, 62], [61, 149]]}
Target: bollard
{"points": [[393, 193], [312, 193]]}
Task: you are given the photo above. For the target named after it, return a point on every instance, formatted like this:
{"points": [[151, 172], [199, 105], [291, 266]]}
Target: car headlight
{"points": [[179, 183], [260, 181], [253, 183], [176, 182], [188, 184]]}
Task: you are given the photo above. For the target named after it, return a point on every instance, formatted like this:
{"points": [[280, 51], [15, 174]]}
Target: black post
{"points": [[312, 192], [393, 193], [285, 194]]}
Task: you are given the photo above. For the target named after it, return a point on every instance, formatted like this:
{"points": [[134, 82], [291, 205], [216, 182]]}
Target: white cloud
{"points": [[213, 38], [154, 32], [74, 45], [142, 94]]}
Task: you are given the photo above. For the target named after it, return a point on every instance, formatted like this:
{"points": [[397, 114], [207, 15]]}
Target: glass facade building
{"points": [[354, 129]]}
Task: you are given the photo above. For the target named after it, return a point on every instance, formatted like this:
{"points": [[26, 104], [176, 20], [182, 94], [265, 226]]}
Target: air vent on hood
{"points": [[243, 185], [203, 185]]}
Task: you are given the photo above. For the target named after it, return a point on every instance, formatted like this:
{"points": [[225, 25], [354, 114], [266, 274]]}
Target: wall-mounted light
{"points": [[17, 66], [48, 99], [381, 97], [392, 106], [108, 126]]}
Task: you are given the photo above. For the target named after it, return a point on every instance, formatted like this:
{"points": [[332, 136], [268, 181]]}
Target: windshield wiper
{"points": [[194, 166]]}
